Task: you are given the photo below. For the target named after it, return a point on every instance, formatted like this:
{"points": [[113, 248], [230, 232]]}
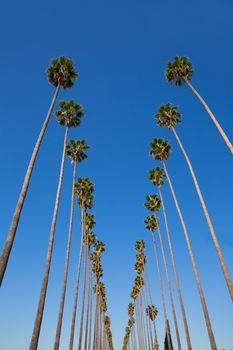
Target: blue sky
{"points": [[120, 48]]}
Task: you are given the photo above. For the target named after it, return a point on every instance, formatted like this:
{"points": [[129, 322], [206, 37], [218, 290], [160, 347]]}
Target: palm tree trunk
{"points": [[88, 297], [176, 274], [77, 285], [90, 304], [220, 130], [83, 298], [63, 293], [95, 344], [142, 322], [161, 290], [209, 222], [101, 327], [201, 294], [138, 325], [169, 288], [135, 338], [19, 206], [40, 309]]}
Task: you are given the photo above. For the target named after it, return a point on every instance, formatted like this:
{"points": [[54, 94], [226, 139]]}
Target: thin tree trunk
{"points": [[83, 298], [220, 130], [77, 286], [176, 274], [161, 289], [40, 309], [100, 332], [169, 288], [135, 338], [90, 303], [63, 293], [209, 222], [142, 322], [19, 206], [96, 323], [138, 325], [88, 297], [201, 294]]}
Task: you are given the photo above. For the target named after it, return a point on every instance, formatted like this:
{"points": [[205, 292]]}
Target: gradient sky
{"points": [[120, 48]]}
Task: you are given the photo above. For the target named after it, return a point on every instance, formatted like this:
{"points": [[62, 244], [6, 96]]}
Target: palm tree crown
{"points": [[157, 176], [139, 245], [178, 70], [70, 113], [62, 72], [84, 188], [153, 202], [151, 223], [152, 312], [75, 150], [160, 149], [168, 115]]}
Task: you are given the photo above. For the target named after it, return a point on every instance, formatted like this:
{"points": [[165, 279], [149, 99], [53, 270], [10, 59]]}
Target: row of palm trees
{"points": [[179, 70], [94, 333], [140, 332], [61, 74]]}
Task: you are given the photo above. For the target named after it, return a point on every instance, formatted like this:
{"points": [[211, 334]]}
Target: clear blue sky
{"points": [[120, 49]]}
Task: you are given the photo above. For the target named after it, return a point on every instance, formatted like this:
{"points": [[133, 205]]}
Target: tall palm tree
{"points": [[180, 70], [69, 115], [75, 150], [157, 177], [153, 204], [168, 115], [83, 188], [160, 150], [61, 73]]}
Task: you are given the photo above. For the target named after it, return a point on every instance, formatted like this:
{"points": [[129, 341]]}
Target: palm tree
{"points": [[157, 176], [160, 150], [151, 224], [69, 115], [156, 344], [83, 188], [169, 116], [180, 70], [153, 204], [75, 150], [61, 73]]}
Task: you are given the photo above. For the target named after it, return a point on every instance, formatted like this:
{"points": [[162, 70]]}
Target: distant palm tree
{"points": [[157, 177], [160, 150], [168, 115], [153, 203], [75, 150], [180, 70], [69, 115], [83, 188], [89, 242], [61, 73]]}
